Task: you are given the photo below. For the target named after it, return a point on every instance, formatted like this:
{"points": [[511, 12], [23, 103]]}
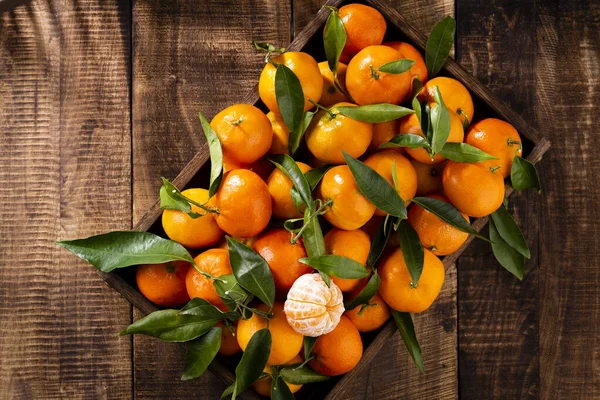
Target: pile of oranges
{"points": [[254, 199]]}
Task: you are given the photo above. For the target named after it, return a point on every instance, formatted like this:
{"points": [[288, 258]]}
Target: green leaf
{"points": [[509, 231], [342, 267], [406, 328], [462, 152], [216, 156], [302, 375], [312, 238], [412, 250], [230, 291], [379, 241], [280, 390], [267, 47], [509, 258], [416, 104], [406, 140], [366, 294], [375, 188], [523, 175], [440, 123], [289, 96], [309, 344], [447, 212], [315, 175], [251, 271], [296, 135], [200, 353], [228, 391], [201, 307], [253, 361], [172, 199], [397, 66], [374, 113], [438, 45], [288, 166], [120, 249], [172, 326], [334, 40]]}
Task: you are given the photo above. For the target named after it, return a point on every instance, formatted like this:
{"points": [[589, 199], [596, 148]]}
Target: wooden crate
{"points": [[196, 172]]}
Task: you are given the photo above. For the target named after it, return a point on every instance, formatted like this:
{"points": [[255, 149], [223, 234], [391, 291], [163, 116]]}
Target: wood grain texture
{"points": [[498, 329], [188, 57], [568, 91], [65, 173]]}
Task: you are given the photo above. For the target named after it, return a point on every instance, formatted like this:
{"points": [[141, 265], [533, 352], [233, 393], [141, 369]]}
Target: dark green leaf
{"points": [[309, 344], [171, 326], [406, 140], [230, 291], [440, 123], [523, 175], [201, 307], [334, 40], [509, 258], [379, 241], [121, 249], [416, 104], [426, 124], [438, 45], [280, 390], [315, 175], [200, 353], [228, 391], [295, 136], [508, 229], [447, 212], [407, 332], [289, 96], [302, 375], [312, 238], [366, 294], [251, 271], [216, 156], [253, 361], [462, 152], [172, 199], [288, 166], [397, 66], [342, 267], [374, 113], [375, 188], [412, 250]]}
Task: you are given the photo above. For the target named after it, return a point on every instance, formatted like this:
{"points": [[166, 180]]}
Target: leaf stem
{"points": [[374, 73], [332, 115], [494, 169]]}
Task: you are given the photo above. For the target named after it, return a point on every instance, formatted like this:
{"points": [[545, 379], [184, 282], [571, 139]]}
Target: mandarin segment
{"points": [[312, 308]]}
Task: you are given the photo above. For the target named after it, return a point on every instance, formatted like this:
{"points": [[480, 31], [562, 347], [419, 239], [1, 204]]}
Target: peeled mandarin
{"points": [[312, 308]]}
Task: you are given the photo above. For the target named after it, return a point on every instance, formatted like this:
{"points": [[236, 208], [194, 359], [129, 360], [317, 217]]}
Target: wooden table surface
{"points": [[99, 98]]}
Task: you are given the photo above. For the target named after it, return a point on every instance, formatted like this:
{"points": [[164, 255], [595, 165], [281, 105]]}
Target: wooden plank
{"points": [[567, 92], [187, 58], [65, 168], [498, 335]]}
